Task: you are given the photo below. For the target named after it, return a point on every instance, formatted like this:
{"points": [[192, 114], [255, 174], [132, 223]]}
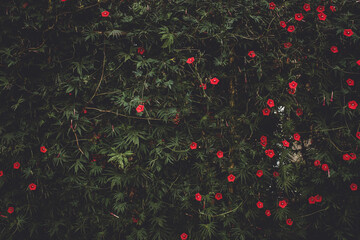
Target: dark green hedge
{"points": [[74, 73]]}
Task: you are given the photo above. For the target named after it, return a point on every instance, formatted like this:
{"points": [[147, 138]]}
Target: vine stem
{"points": [[222, 214], [122, 115], [77, 141], [321, 210], [102, 76]]}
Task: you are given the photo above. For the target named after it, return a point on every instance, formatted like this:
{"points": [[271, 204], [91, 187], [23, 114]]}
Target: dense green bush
{"points": [[104, 109]]}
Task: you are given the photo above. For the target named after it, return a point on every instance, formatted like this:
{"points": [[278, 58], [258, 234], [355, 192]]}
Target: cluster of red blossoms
{"points": [[349, 156], [198, 197], [324, 167], [263, 141], [270, 153], [270, 103], [292, 88], [313, 200]]}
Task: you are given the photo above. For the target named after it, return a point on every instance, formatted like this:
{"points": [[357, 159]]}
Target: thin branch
{"points": [[335, 145], [320, 130], [222, 214], [321, 210], [122, 115], [102, 76], [77, 141]]}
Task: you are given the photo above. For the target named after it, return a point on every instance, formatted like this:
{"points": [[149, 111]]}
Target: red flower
{"points": [[231, 178], [334, 49], [1, 173], [275, 174], [352, 156], [285, 143], [183, 236], [272, 6], [297, 137], [134, 220], [318, 198], [263, 141], [218, 196], [10, 210], [193, 145], [282, 24], [190, 60], [352, 104], [350, 82], [348, 32], [282, 203], [140, 108], [105, 14], [252, 54], [287, 45], [358, 62], [267, 213], [311, 200], [220, 154], [214, 81], [198, 197], [293, 85], [317, 163], [289, 222], [299, 112], [270, 153], [25, 5], [320, 9], [332, 8], [259, 173], [292, 90], [141, 50], [291, 28], [203, 86], [85, 111], [259, 204], [32, 186], [299, 16], [325, 167], [353, 187], [266, 112], [43, 149], [306, 7], [17, 165], [346, 157], [270, 103], [358, 135], [322, 16]]}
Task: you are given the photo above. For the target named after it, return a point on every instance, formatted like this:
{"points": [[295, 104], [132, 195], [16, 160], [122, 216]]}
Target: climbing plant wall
{"points": [[179, 119]]}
